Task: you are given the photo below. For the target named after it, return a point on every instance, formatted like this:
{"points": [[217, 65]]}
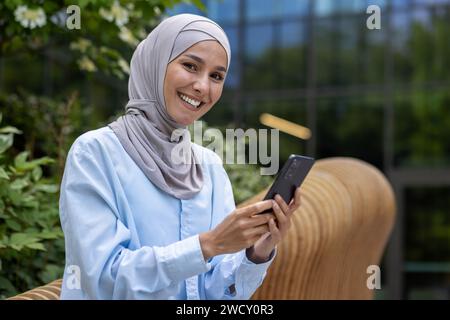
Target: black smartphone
{"points": [[289, 178]]}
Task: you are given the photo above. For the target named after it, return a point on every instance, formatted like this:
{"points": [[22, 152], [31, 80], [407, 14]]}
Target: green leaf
{"points": [[25, 166], [19, 184], [51, 234], [51, 272], [3, 174], [19, 240], [36, 246], [13, 225], [20, 159], [30, 201], [5, 284], [16, 199], [49, 188], [6, 141], [36, 174], [10, 129]]}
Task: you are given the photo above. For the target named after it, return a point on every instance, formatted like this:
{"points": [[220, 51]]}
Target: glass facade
{"points": [[379, 95]]}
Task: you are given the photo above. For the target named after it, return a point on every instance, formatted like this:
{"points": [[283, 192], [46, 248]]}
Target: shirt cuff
{"points": [[184, 259], [272, 255], [250, 275]]}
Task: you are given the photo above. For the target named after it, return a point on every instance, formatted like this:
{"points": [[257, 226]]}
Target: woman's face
{"points": [[194, 81]]}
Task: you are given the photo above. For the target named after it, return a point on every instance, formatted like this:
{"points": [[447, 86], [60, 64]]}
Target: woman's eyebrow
{"points": [[200, 60]]}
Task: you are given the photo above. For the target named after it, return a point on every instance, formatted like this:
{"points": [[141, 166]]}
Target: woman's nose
{"points": [[201, 85]]}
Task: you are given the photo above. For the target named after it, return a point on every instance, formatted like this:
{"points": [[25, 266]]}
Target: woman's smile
{"points": [[190, 103]]}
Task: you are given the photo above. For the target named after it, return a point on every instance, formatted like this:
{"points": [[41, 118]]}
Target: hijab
{"points": [[146, 131]]}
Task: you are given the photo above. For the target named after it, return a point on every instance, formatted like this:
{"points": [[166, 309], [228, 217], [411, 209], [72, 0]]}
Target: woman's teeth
{"points": [[194, 103]]}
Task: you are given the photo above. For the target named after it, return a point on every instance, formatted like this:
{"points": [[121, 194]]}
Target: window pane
{"points": [[427, 212], [291, 110], [420, 45], [349, 6], [427, 286], [349, 54], [422, 128], [325, 38], [351, 127], [263, 9], [432, 2], [259, 9], [400, 3], [292, 7], [232, 80], [184, 8], [232, 34], [292, 55], [324, 7], [223, 10], [329, 7], [373, 56], [222, 114], [401, 28], [258, 39], [260, 69]]}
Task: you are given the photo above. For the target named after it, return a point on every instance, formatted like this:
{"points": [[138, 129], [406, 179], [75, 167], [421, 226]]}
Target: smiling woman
{"points": [[138, 224], [194, 81]]}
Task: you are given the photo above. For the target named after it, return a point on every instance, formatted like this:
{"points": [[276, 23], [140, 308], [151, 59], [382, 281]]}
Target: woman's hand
{"points": [[239, 230], [261, 250]]}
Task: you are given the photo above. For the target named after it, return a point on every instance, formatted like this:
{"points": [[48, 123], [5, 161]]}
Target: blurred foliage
{"points": [[30, 236], [51, 124], [49, 88], [428, 229], [246, 179], [107, 28]]}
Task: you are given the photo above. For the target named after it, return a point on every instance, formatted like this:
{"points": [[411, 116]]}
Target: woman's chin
{"points": [[185, 121]]}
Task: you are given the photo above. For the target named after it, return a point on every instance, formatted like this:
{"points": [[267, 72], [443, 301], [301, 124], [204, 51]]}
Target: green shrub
{"points": [[31, 240]]}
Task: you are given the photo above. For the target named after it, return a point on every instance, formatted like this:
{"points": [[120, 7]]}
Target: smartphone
{"points": [[289, 178]]}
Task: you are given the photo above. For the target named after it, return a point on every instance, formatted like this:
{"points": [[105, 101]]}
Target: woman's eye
{"points": [[190, 66], [217, 77]]}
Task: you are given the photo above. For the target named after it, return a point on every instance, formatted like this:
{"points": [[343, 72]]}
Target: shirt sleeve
{"points": [[97, 240], [232, 276]]}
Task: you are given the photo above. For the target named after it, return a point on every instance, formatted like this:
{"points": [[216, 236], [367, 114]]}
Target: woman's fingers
{"points": [[258, 219], [282, 217], [258, 231], [296, 201], [282, 204], [274, 231], [255, 208]]}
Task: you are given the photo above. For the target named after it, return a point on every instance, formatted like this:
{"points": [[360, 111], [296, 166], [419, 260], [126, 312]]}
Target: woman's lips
{"points": [[189, 106]]}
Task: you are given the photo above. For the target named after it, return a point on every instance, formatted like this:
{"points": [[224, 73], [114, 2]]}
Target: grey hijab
{"points": [[146, 131]]}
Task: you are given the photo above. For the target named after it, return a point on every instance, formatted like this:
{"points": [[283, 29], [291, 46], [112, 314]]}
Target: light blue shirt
{"points": [[127, 239]]}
